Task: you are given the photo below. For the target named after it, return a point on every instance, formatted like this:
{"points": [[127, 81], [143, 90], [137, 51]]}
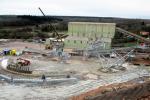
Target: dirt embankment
{"points": [[122, 91]]}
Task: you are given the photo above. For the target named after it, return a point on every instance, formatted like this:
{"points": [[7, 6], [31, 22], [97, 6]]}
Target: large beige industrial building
{"points": [[80, 33]]}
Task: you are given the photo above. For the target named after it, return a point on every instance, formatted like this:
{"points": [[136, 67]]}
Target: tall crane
{"points": [[57, 36], [57, 42], [58, 45]]}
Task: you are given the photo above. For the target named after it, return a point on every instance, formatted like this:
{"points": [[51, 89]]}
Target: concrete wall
{"points": [[87, 30]]}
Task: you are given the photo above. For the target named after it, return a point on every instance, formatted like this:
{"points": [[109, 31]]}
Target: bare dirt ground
{"points": [[86, 71], [20, 45]]}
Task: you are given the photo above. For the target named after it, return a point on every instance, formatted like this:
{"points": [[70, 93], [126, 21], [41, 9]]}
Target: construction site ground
{"points": [[87, 72]]}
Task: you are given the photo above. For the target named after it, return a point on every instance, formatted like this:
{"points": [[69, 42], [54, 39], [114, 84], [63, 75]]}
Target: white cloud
{"points": [[108, 8]]}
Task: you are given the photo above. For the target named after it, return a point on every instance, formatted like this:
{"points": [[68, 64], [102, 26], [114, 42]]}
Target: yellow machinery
{"points": [[58, 38], [51, 42], [48, 44], [13, 52]]}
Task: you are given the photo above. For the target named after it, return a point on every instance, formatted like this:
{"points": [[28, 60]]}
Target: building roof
{"points": [[92, 23]]}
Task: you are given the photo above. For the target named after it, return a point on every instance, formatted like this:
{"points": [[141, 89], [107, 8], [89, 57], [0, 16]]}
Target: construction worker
{"points": [[43, 78]]}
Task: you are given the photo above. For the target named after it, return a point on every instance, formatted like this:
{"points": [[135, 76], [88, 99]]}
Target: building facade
{"points": [[81, 33]]}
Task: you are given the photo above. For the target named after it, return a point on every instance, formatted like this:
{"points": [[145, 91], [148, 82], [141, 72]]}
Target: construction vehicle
{"points": [[48, 44], [23, 62], [51, 42], [56, 43]]}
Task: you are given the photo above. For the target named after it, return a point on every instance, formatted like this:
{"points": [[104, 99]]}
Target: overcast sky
{"points": [[100, 8]]}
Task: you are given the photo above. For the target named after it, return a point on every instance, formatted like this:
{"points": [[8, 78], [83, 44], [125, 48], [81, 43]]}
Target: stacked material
{"points": [[18, 65]]}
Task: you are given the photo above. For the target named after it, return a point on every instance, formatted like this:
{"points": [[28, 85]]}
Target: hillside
{"points": [[26, 24]]}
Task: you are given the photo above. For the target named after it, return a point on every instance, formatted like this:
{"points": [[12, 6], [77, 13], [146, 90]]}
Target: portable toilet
{"points": [[6, 51], [18, 53], [13, 52]]}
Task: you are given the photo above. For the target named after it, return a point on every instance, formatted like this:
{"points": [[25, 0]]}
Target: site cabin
{"points": [[81, 33]]}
